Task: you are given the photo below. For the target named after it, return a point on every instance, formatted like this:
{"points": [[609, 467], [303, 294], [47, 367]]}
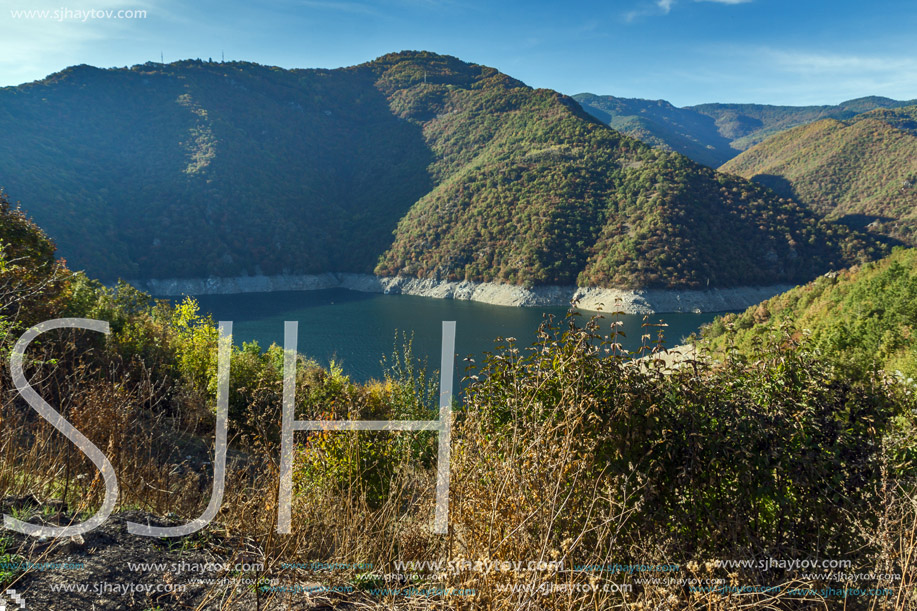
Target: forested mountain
{"points": [[863, 316], [862, 171], [660, 124], [193, 168], [198, 168], [712, 134], [747, 124]]}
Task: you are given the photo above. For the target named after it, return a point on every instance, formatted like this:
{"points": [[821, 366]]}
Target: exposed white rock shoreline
{"points": [[593, 299]]}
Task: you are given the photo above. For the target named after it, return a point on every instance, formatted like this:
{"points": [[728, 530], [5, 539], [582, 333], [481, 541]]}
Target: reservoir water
{"points": [[356, 329]]}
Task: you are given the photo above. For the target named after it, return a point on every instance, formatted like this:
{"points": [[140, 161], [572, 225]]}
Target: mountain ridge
{"points": [[712, 134], [861, 171], [413, 164]]}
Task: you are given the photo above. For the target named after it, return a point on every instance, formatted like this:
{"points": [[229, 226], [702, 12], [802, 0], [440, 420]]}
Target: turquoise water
{"points": [[357, 329]]}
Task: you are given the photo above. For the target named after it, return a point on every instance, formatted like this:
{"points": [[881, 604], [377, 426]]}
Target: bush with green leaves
{"points": [[368, 460], [782, 452], [864, 318]]}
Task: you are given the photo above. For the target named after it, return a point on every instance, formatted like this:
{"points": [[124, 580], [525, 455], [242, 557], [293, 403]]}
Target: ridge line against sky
{"points": [[684, 51]]}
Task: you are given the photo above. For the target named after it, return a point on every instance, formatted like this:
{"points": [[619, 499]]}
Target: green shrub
{"points": [[778, 453]]}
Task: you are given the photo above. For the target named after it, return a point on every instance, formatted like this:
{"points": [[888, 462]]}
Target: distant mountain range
{"points": [[414, 164], [862, 171], [712, 134]]}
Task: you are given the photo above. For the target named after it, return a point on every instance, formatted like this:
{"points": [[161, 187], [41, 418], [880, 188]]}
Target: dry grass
{"points": [[526, 489]]}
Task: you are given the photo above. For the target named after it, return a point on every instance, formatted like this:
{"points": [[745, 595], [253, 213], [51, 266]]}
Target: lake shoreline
{"points": [[639, 301]]}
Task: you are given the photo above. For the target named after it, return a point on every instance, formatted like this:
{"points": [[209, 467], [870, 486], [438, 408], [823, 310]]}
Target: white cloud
{"points": [[823, 63], [664, 7], [803, 76]]}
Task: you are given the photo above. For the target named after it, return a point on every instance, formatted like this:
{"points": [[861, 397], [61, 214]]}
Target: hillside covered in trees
{"points": [[712, 134], [864, 317], [663, 125], [862, 171], [413, 164]]}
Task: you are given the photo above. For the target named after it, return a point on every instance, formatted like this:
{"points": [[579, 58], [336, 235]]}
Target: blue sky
{"points": [[684, 51]]}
